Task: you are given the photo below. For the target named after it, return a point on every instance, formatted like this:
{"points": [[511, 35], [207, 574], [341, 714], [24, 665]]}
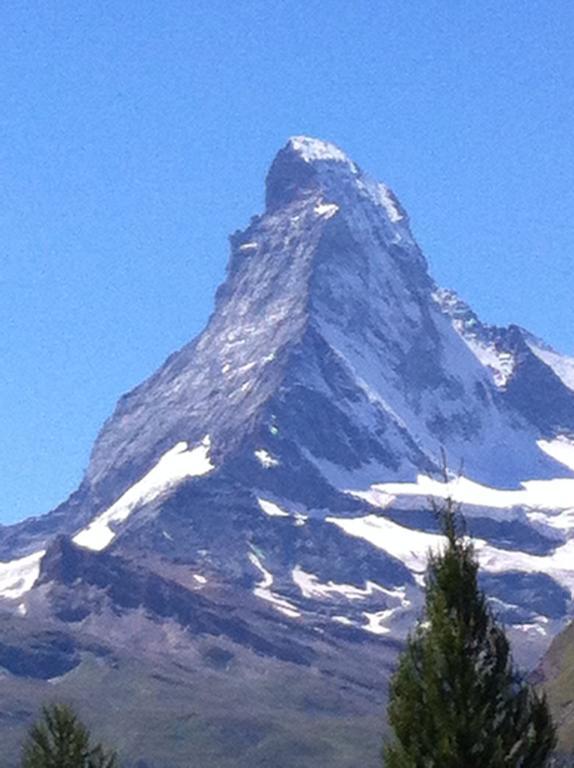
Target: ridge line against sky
{"points": [[136, 138]]}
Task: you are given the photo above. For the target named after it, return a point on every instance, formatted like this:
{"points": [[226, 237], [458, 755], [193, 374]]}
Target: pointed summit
{"points": [[293, 170], [328, 286], [307, 165], [265, 490], [313, 150]]}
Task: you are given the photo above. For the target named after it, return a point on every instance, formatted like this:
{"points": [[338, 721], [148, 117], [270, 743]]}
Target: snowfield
{"points": [[174, 466]]}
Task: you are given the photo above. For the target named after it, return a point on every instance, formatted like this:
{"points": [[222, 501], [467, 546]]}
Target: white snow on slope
{"points": [[311, 587], [326, 210], [342, 620], [173, 467], [315, 150], [19, 576], [375, 621], [271, 509], [500, 364], [495, 440], [265, 458], [382, 195], [559, 565], [562, 365], [560, 449], [408, 545], [263, 590], [554, 495], [312, 150], [413, 547], [286, 509]]}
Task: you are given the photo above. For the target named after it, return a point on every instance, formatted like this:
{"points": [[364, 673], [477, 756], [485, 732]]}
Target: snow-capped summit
{"points": [[281, 462], [332, 350], [312, 150], [307, 165]]}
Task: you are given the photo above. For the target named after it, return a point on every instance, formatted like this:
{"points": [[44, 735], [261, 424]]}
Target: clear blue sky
{"points": [[135, 136]]}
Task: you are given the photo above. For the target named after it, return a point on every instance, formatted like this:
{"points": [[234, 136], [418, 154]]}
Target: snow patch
{"points": [[413, 547], [173, 467], [383, 196], [284, 509], [500, 364], [342, 620], [409, 546], [263, 590], [312, 150], [271, 509], [375, 621], [562, 365], [326, 210], [558, 564], [552, 495], [312, 588], [560, 449], [266, 459], [19, 576], [476, 336]]}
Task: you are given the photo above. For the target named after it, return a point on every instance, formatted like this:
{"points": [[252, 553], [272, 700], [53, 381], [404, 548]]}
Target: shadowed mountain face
{"points": [[556, 673], [254, 517]]}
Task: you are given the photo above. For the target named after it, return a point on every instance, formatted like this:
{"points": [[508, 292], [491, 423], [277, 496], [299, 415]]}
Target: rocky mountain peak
{"points": [[301, 166], [313, 150], [306, 167], [262, 499], [327, 294]]}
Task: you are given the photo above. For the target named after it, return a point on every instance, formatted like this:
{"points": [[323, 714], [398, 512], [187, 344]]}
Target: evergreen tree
{"points": [[60, 740], [457, 701]]}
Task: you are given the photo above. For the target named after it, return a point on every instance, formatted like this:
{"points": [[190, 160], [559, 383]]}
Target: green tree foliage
{"points": [[60, 740], [457, 701]]}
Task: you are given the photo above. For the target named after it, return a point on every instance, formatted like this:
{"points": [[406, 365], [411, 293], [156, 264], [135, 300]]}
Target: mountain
{"points": [[244, 556], [555, 672]]}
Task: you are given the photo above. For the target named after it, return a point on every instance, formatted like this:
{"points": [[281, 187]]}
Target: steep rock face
{"points": [[556, 674], [289, 269], [535, 380], [328, 299], [261, 502]]}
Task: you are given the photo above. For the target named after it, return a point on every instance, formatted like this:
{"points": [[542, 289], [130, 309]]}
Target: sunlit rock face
{"points": [[261, 502]]}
